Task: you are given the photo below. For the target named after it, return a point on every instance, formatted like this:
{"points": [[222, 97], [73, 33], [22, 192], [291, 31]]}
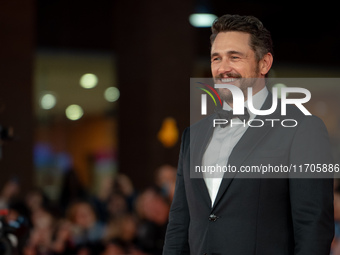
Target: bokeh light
{"points": [[88, 81], [74, 112], [111, 94], [48, 101], [202, 19]]}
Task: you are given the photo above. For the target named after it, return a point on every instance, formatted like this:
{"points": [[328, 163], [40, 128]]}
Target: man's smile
{"points": [[227, 79]]}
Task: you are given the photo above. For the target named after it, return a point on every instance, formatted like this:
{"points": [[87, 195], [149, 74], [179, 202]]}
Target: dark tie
{"points": [[228, 115]]}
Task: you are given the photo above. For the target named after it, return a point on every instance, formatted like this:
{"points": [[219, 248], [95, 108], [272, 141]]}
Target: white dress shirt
{"points": [[222, 143]]}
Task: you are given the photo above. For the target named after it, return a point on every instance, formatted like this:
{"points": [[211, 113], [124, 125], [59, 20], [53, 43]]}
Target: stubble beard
{"points": [[242, 83]]}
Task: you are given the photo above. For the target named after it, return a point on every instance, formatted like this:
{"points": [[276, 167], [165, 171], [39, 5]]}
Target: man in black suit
{"points": [[242, 216]]}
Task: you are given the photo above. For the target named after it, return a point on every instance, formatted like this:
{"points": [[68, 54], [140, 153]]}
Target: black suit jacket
{"points": [[260, 216]]}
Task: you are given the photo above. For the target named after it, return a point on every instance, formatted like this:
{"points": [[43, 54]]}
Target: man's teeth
{"points": [[228, 79]]}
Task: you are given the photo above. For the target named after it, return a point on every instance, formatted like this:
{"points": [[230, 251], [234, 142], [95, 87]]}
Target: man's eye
{"points": [[235, 57], [215, 59]]}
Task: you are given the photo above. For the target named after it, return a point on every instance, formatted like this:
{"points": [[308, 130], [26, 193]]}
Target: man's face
{"points": [[232, 59]]}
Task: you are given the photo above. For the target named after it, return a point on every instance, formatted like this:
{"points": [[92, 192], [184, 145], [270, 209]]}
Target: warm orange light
{"points": [[168, 134]]}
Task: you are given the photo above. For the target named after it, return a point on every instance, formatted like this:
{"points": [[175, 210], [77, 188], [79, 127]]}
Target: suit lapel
{"points": [[198, 144], [245, 146]]}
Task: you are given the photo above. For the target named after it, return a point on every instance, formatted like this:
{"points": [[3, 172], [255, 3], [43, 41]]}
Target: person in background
{"points": [[72, 190], [87, 232], [166, 180], [121, 231], [62, 243], [10, 192], [153, 209], [41, 234], [124, 186]]}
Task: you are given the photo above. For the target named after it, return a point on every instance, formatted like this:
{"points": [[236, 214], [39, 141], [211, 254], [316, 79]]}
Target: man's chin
{"points": [[225, 95]]}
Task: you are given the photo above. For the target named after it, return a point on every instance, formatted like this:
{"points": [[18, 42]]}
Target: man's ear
{"points": [[266, 63]]}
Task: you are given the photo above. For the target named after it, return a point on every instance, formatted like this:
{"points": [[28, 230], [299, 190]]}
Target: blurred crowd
{"points": [[118, 220]]}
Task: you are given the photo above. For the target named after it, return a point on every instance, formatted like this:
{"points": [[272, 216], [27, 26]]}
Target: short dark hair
{"points": [[260, 38]]}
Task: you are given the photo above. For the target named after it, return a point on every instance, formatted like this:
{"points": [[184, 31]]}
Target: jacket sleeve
{"points": [[312, 198], [176, 239]]}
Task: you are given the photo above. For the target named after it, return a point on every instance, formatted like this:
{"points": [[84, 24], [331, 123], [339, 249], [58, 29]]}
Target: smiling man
{"points": [[233, 58], [221, 213]]}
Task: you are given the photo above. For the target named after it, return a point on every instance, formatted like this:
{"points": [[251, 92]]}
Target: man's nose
{"points": [[224, 67]]}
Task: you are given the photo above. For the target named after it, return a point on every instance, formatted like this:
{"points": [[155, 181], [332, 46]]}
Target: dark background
{"points": [[156, 51], [302, 33]]}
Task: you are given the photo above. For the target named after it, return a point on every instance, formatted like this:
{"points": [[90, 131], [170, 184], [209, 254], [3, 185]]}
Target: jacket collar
{"points": [[248, 142]]}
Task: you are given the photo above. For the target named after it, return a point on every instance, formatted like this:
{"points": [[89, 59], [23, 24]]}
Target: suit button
{"points": [[213, 217]]}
